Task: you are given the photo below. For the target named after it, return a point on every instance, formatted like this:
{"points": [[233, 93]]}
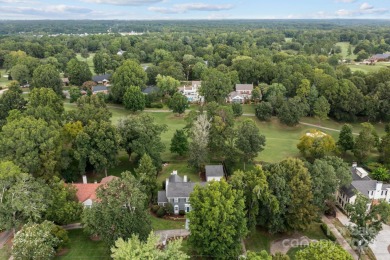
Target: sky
{"points": [[193, 9]]}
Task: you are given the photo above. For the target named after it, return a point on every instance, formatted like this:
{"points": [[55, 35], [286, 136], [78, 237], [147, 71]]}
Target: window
{"points": [[176, 200], [187, 209]]}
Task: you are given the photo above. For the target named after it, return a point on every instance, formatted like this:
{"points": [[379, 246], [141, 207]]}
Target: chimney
{"points": [[378, 186], [354, 164], [85, 179], [185, 178], [174, 173], [166, 183]]}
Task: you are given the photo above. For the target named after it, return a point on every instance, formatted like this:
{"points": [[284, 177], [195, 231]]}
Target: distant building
{"points": [[102, 79], [151, 90], [363, 184], [243, 93], [380, 57], [192, 92], [99, 89]]}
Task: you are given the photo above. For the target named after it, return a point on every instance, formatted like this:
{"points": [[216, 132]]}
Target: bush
{"points": [[182, 212], [327, 232], [169, 208], [160, 212], [155, 208], [156, 105], [237, 109], [263, 111]]}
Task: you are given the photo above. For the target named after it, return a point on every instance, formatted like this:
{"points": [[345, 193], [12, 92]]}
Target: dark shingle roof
{"points": [[364, 186], [182, 189], [349, 191], [175, 178], [161, 197], [214, 171], [99, 88], [98, 78]]}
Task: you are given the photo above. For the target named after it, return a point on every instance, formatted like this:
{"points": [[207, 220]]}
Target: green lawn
{"points": [[3, 80], [89, 61], [5, 252], [164, 224], [81, 247], [369, 68], [344, 50]]}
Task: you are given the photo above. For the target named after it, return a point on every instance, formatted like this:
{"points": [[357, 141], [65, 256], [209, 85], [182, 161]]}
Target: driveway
{"points": [[166, 234], [381, 245]]}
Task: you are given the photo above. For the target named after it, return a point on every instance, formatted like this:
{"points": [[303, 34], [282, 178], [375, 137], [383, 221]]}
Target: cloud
{"points": [[183, 8], [48, 10], [18, 2], [366, 6], [361, 12], [124, 2]]}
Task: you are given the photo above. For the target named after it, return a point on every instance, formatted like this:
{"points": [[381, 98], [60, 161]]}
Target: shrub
{"points": [[160, 212], [237, 109], [169, 208], [155, 208], [182, 212], [263, 111], [327, 232], [156, 105]]}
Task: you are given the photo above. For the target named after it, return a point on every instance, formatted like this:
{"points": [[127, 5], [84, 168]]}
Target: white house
{"points": [[192, 92], [362, 183], [177, 189]]}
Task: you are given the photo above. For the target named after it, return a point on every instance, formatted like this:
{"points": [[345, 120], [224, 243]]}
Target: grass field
{"points": [[82, 247], [5, 252], [89, 61], [165, 224], [369, 68], [344, 50], [3, 80]]}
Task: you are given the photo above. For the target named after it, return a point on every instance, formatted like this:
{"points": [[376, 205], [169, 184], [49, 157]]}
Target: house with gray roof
{"points": [[363, 184], [99, 89], [178, 189], [102, 79]]}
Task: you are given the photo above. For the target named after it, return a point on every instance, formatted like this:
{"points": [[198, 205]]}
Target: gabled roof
{"points": [[214, 171], [235, 94], [161, 196], [86, 191], [98, 78], [182, 189], [175, 178], [383, 56], [244, 87]]}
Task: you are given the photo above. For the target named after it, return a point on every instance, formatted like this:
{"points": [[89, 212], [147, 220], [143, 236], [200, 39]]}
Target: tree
{"points": [[78, 72], [249, 140], [147, 175], [303, 90], [74, 93], [291, 111], [120, 211], [9, 100], [346, 140], [367, 222], [253, 184], [141, 135], [316, 144], [130, 73], [256, 94], [64, 208], [89, 108], [381, 174], [167, 84], [178, 103], [264, 111], [100, 62], [134, 248], [365, 142], [223, 203], [21, 73], [35, 241], [384, 148], [215, 86], [134, 99], [47, 76], [179, 143], [199, 134], [22, 199], [97, 144], [262, 255], [41, 150], [323, 250], [289, 181], [237, 109], [321, 108], [45, 104]]}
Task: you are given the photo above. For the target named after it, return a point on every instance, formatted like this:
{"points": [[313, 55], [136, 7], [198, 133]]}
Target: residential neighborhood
{"points": [[213, 130]]}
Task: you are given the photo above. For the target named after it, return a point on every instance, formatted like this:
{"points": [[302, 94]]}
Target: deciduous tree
{"points": [[147, 175], [178, 103], [78, 72], [315, 144], [365, 142], [219, 238], [346, 140], [215, 86], [323, 250], [264, 111], [167, 84], [179, 143], [134, 99], [198, 152], [47, 76]]}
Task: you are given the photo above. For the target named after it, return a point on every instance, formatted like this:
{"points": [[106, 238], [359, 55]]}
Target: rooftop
{"points": [[100, 78], [214, 171], [244, 87]]}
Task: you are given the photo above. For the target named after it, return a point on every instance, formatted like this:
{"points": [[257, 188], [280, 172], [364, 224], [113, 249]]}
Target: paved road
{"points": [[381, 245]]}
